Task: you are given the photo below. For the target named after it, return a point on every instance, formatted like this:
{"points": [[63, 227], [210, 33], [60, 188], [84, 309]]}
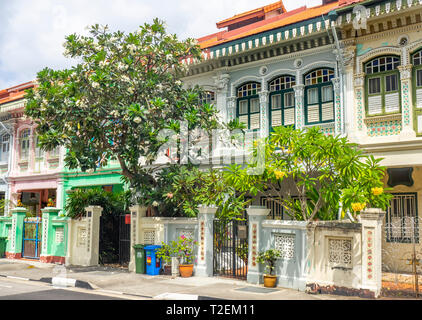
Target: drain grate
{"points": [[257, 290]]}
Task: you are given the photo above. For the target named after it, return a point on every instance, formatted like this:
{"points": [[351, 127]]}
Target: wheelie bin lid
{"points": [[152, 247], [138, 246]]}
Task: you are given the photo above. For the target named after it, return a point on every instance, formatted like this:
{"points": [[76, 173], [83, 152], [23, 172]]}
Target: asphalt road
{"points": [[11, 289]]}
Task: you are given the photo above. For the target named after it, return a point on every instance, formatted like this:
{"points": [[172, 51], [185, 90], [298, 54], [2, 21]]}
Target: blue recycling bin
{"points": [[153, 263]]}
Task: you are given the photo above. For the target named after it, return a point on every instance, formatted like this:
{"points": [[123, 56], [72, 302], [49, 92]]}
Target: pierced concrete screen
{"points": [[285, 243], [59, 234], [149, 237], [340, 251]]}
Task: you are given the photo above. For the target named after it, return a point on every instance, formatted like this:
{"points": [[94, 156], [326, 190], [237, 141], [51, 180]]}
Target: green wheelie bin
{"points": [[139, 258], [3, 242]]}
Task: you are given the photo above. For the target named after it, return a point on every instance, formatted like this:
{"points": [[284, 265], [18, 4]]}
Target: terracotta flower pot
{"points": [[186, 270], [269, 281]]}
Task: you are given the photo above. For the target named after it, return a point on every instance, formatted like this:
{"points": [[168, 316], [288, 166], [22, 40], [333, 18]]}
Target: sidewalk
{"points": [[156, 287]]}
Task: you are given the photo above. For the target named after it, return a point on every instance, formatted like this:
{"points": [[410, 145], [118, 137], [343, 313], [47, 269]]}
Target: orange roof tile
{"points": [[290, 17], [251, 13], [14, 93]]}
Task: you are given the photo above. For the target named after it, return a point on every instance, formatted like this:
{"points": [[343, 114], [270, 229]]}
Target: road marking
{"points": [[19, 278], [5, 286]]}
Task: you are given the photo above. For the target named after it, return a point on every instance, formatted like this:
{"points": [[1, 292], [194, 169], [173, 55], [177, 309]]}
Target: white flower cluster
{"points": [[95, 85], [122, 66], [81, 103], [132, 48], [103, 63], [125, 78]]}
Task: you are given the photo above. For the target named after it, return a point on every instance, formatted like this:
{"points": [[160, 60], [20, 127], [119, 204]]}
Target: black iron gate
{"points": [[114, 246], [230, 247], [109, 239], [124, 239], [32, 236]]}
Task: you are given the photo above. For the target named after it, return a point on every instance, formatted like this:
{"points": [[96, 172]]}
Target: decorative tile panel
{"points": [[405, 102], [369, 254], [88, 232], [378, 128], [45, 234], [340, 251], [133, 225], [202, 240], [254, 244], [360, 110], [285, 243]]}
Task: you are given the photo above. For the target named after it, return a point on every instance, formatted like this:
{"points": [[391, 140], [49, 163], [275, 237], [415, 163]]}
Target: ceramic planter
{"points": [[186, 270], [269, 281]]}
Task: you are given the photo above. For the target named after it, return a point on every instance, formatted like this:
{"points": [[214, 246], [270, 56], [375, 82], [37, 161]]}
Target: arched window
{"points": [[417, 91], [24, 144], [382, 85], [319, 96], [248, 105], [282, 101], [5, 147]]}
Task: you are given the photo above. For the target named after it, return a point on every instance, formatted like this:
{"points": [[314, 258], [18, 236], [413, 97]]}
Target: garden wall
{"points": [[319, 257]]}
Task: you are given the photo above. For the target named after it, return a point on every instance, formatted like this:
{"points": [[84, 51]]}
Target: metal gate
{"points": [[230, 248], [32, 236], [401, 248], [124, 239]]}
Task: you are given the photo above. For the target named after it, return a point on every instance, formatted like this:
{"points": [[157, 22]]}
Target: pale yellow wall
{"points": [[322, 271]]}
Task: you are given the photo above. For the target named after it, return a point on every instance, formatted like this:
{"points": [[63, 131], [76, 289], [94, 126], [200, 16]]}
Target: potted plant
{"points": [[184, 249], [165, 253], [269, 258]]}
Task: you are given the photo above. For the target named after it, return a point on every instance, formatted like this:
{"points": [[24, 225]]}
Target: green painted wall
{"points": [[108, 176]]}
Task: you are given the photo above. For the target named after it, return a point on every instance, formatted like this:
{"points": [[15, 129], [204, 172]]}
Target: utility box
{"points": [[153, 263]]}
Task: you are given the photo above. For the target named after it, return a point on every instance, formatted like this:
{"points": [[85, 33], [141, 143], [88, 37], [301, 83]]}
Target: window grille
{"points": [[278, 212], [401, 221]]}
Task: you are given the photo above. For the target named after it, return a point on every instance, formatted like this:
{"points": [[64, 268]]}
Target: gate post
{"points": [[93, 214], [256, 215], [18, 216], [204, 266], [136, 213], [372, 220], [50, 235]]}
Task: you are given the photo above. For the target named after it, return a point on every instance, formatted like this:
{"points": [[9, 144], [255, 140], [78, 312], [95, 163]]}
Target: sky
{"points": [[32, 32]]}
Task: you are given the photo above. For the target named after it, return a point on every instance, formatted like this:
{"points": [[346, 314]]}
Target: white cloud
{"points": [[32, 32]]}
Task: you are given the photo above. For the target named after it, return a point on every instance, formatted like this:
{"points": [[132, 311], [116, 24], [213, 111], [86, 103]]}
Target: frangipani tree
{"points": [[310, 174], [114, 103]]}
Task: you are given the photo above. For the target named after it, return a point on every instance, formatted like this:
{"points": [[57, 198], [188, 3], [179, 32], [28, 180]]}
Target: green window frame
{"points": [[282, 101], [248, 110], [382, 86], [319, 96], [417, 90]]}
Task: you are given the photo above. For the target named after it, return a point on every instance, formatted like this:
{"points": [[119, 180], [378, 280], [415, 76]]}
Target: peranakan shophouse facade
{"points": [[268, 67]]}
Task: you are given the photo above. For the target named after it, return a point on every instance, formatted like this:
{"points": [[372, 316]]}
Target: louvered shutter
{"points": [[374, 105], [392, 102]]}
